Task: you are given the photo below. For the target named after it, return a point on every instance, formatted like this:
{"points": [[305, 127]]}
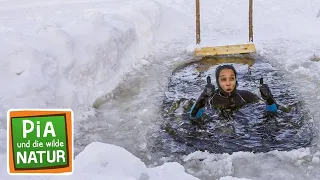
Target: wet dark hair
{"points": [[225, 66]]}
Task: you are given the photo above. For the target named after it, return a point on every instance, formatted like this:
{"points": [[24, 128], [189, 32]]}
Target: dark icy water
{"points": [[248, 129]]}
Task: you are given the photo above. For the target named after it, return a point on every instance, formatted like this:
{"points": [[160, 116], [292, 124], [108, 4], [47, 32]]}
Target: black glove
{"points": [[266, 93], [207, 92], [209, 88]]}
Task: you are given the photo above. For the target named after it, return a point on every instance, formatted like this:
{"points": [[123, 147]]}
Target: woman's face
{"points": [[227, 80]]}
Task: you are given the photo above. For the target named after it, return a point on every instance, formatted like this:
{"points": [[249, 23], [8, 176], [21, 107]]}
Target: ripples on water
{"points": [[248, 129]]}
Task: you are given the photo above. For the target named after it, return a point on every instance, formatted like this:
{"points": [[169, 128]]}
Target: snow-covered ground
{"points": [[117, 56]]}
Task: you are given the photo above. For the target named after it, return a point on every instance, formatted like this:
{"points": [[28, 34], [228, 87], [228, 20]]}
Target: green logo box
{"points": [[40, 142]]}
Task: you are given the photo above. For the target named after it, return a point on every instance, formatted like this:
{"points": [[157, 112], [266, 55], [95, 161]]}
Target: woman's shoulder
{"points": [[248, 96], [245, 92]]}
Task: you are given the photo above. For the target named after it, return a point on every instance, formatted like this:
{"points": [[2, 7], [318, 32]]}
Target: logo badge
{"points": [[40, 141]]}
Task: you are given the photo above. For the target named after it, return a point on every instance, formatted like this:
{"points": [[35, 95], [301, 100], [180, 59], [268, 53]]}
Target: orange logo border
{"points": [[38, 112]]}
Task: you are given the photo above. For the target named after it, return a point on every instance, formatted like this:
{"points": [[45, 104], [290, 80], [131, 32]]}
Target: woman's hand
{"points": [[265, 92]]}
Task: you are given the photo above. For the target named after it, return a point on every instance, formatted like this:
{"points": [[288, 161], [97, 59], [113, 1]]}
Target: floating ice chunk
{"points": [[316, 160]]}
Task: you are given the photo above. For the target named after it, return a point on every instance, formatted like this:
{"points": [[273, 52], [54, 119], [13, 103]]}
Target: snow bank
{"points": [[68, 57], [3, 141], [232, 178], [295, 164], [106, 161]]}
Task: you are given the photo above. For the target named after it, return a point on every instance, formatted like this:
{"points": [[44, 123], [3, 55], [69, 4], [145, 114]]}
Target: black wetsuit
{"points": [[221, 100], [231, 101], [236, 100]]}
